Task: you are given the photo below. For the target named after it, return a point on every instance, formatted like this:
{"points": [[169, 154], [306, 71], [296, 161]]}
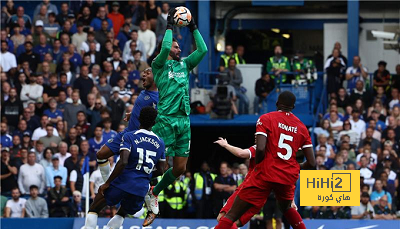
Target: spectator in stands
{"points": [[51, 28], [58, 200], [137, 63], [161, 23], [96, 23], [73, 108], [377, 133], [382, 76], [31, 119], [31, 92], [117, 62], [383, 209], [85, 18], [278, 64], [72, 162], [116, 17], [224, 59], [39, 151], [18, 38], [336, 212], [373, 142], [55, 170], [8, 171], [264, 87], [148, 38], [117, 106], [77, 180], [12, 108], [336, 124], [333, 68], [8, 60], [77, 205], [41, 131], [315, 212], [366, 172], [394, 98], [31, 173], [339, 163], [396, 78], [15, 208], [365, 210], [101, 34], [35, 206], [123, 36], [123, 92], [53, 113], [338, 46], [6, 139], [97, 141], [222, 98], [108, 133], [19, 14], [49, 8], [355, 73], [342, 98], [202, 190], [79, 37], [357, 124], [63, 155], [134, 35], [224, 186], [379, 193], [85, 151], [41, 15], [239, 55], [63, 15], [236, 80], [50, 140]]}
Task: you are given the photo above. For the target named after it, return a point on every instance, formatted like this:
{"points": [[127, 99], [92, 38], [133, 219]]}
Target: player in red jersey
{"points": [[279, 134]]}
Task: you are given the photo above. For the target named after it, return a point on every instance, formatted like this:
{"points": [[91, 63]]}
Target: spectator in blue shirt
{"points": [[43, 47], [101, 15], [6, 139], [55, 170], [123, 36], [379, 193], [97, 141], [75, 58], [108, 133], [53, 113]]}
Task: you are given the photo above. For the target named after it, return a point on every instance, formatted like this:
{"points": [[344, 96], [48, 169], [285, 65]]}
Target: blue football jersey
{"points": [[145, 99], [95, 146], [109, 135], [146, 150]]}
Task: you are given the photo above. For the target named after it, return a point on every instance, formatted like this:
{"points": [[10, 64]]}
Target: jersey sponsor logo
{"points": [[110, 140], [172, 75], [259, 123], [146, 97]]}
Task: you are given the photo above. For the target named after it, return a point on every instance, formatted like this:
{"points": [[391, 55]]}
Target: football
{"points": [[182, 16]]}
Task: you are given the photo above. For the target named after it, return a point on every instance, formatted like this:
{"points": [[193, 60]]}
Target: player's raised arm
{"points": [[162, 57], [194, 59], [260, 147], [238, 152], [310, 159]]}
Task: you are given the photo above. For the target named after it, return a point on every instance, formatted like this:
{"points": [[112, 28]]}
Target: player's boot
{"points": [[151, 201]]}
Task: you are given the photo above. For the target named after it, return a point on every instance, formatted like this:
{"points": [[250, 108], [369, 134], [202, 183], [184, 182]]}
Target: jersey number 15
{"points": [[150, 161], [285, 146]]}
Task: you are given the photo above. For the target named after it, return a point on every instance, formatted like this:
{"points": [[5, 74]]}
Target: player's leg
{"points": [[91, 218], [239, 207], [118, 219], [284, 195], [106, 151]]}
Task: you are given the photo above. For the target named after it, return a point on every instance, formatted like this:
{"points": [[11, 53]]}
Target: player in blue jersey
{"points": [[129, 182], [97, 141], [148, 97]]}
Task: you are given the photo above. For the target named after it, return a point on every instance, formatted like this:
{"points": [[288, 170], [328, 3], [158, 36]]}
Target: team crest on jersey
{"points": [[110, 140], [259, 122], [146, 97]]}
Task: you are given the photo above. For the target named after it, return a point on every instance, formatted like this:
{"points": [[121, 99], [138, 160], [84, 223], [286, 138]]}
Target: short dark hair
{"points": [[57, 177], [287, 99], [49, 125], [147, 117], [33, 187]]}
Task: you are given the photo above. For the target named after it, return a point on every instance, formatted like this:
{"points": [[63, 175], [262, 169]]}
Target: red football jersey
{"points": [[285, 135], [252, 162]]}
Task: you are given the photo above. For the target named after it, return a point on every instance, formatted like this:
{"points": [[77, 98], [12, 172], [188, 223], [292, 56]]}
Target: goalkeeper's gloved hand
{"points": [[192, 25], [170, 19]]}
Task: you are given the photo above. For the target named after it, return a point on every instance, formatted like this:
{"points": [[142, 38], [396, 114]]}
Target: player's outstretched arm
{"points": [[194, 59], [260, 147], [310, 159], [238, 152], [166, 44], [119, 168]]}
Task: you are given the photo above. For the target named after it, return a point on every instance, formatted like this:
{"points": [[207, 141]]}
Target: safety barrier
{"points": [[77, 223]]}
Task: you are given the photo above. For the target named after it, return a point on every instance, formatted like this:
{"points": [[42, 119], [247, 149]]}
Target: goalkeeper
{"points": [[171, 75]]}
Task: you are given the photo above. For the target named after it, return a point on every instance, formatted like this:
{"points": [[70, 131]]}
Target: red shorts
{"points": [[246, 217], [256, 191]]}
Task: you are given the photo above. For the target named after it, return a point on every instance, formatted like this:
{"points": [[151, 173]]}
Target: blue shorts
{"points": [[129, 203], [114, 143]]}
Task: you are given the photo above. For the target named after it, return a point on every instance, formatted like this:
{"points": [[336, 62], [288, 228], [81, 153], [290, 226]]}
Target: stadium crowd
{"points": [[70, 74]]}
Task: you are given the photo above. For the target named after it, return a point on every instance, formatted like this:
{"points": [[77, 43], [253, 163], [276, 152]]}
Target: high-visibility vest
{"points": [[199, 184], [161, 194], [279, 65], [226, 59], [237, 59], [176, 202]]}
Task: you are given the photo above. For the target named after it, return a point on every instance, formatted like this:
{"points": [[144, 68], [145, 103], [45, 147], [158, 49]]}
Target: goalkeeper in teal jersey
{"points": [[171, 75]]}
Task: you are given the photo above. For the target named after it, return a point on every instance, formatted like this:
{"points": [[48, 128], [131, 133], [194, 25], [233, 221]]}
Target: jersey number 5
{"points": [[150, 161], [285, 146]]}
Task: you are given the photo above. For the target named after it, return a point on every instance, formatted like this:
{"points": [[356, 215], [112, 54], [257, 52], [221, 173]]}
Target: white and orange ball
{"points": [[182, 17]]}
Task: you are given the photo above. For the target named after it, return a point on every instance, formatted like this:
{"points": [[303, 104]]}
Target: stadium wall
{"points": [[77, 223]]}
